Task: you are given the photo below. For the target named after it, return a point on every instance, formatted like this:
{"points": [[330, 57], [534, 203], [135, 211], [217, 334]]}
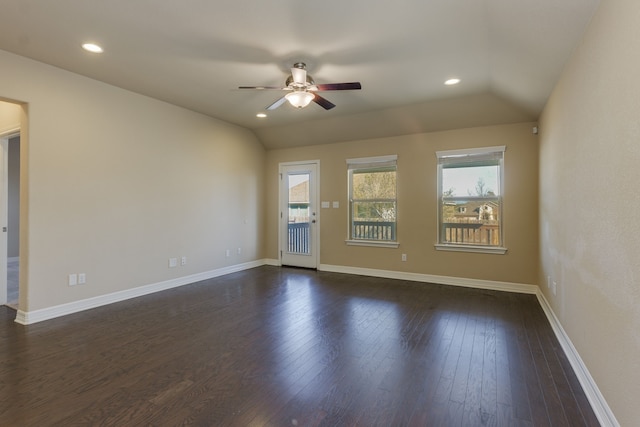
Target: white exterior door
{"points": [[299, 216]]}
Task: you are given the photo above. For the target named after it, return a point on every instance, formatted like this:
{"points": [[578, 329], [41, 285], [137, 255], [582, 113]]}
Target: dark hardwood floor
{"points": [[288, 347]]}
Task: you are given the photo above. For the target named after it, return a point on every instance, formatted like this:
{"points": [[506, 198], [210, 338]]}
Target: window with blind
{"points": [[470, 199], [372, 200]]}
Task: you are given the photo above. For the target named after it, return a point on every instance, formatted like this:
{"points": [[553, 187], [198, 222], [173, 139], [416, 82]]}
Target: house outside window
{"points": [[470, 184], [372, 201], [299, 203]]}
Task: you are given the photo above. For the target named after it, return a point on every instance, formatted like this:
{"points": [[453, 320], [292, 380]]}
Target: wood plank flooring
{"points": [[289, 347]]}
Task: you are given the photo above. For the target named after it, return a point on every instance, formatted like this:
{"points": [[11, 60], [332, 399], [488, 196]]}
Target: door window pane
{"points": [[298, 212]]}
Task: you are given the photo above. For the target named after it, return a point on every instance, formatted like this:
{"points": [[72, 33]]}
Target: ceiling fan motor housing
{"points": [[290, 81]]}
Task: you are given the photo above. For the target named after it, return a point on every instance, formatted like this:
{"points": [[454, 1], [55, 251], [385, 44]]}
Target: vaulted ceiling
{"points": [[508, 55]]}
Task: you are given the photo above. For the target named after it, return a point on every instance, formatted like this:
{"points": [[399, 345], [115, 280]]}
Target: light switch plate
{"points": [[325, 205], [336, 205]]}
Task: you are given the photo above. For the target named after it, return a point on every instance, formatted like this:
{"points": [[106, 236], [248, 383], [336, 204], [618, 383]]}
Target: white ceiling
{"points": [[195, 53]]}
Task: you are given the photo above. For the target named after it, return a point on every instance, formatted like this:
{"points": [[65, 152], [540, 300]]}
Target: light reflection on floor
{"points": [[308, 338], [297, 327]]}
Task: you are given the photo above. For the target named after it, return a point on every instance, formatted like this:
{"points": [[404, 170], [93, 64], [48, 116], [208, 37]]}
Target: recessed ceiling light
{"points": [[451, 82], [261, 115], [92, 47]]}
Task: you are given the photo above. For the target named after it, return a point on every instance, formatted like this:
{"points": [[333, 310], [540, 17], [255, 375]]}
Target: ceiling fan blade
{"points": [[263, 87], [276, 104], [323, 102], [340, 86], [299, 75]]}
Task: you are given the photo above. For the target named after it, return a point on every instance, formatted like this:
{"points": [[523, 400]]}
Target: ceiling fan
{"points": [[302, 89]]}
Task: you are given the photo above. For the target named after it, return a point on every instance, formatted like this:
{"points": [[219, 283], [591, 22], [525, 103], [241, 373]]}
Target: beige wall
{"points": [[589, 202], [417, 204], [115, 183]]}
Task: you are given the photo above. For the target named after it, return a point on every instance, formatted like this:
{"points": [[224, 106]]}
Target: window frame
{"points": [[470, 156], [370, 163]]}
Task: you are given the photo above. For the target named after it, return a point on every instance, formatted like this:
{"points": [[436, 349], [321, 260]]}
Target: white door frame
{"points": [[313, 259], [4, 187]]}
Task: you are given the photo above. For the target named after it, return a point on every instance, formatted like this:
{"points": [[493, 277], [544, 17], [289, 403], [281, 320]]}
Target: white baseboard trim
{"points": [[30, 317], [272, 261], [596, 399], [430, 278]]}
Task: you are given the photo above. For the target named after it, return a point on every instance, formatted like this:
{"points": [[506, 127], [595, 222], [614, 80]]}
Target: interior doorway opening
{"points": [[13, 221], [10, 126]]}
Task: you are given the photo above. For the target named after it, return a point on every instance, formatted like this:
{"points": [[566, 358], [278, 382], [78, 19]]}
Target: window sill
{"points": [[468, 248], [372, 243]]}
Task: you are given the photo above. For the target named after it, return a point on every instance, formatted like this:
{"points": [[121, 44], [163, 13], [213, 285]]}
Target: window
{"points": [[470, 200], [372, 200]]}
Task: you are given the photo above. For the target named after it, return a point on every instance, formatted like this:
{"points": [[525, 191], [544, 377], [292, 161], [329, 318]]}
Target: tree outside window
{"points": [[372, 199]]}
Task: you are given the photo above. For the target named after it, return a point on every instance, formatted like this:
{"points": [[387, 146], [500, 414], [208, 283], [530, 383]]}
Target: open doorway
{"points": [[13, 221], [10, 121]]}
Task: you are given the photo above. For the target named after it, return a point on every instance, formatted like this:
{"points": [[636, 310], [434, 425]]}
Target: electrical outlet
{"points": [[183, 260], [73, 279], [404, 257], [239, 251], [228, 253], [82, 278], [555, 287], [173, 262]]}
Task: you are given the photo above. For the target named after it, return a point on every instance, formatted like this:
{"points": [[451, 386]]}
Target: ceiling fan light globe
{"points": [[299, 99]]}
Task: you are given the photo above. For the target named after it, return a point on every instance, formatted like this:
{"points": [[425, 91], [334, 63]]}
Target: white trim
{"points": [[373, 243], [368, 160], [303, 162], [272, 261], [10, 131], [4, 212], [430, 278], [304, 260], [471, 151], [30, 317], [364, 163], [471, 248], [596, 399], [459, 156]]}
